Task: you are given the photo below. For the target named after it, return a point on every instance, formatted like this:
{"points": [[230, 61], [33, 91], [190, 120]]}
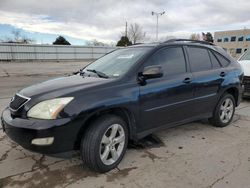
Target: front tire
{"points": [[104, 143], [224, 111]]}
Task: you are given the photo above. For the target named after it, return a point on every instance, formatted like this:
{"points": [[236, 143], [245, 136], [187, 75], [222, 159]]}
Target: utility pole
{"points": [[126, 30], [126, 33], [157, 17]]}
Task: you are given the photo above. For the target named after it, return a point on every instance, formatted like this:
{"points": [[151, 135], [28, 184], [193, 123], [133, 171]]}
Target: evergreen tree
{"points": [[61, 41], [124, 41]]}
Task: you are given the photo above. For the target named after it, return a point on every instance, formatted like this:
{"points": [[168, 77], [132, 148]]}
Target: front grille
{"points": [[246, 83], [247, 88], [18, 101], [246, 80]]}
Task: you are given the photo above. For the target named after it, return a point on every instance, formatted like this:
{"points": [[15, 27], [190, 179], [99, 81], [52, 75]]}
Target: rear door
{"points": [[208, 77], [165, 100]]}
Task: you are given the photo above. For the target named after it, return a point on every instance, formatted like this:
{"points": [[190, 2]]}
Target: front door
{"points": [[166, 100]]}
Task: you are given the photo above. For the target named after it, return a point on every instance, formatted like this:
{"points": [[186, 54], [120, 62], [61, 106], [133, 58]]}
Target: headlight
{"points": [[49, 109]]}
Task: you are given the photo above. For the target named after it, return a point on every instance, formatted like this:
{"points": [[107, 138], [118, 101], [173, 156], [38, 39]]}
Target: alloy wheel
{"points": [[226, 110], [112, 144]]}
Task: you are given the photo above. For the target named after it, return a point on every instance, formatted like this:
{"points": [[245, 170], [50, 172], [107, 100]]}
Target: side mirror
{"points": [[151, 72]]}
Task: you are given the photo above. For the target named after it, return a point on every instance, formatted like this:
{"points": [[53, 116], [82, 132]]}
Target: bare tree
{"points": [[195, 36], [16, 35], [166, 38], [26, 40], [136, 33], [17, 38], [95, 42]]}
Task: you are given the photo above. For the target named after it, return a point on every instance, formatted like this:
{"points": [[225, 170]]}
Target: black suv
{"points": [[126, 95]]}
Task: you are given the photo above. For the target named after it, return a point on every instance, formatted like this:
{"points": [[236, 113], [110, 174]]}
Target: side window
{"points": [[224, 62], [199, 59], [171, 59], [216, 64], [226, 39], [233, 38], [238, 51], [241, 38]]}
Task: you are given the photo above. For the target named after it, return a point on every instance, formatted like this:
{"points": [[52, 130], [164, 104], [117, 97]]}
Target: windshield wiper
{"points": [[99, 73]]}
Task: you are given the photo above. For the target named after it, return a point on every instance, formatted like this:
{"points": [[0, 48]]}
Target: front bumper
{"points": [[23, 131]]}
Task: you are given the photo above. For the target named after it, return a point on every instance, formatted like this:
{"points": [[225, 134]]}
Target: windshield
{"points": [[116, 63], [246, 56]]}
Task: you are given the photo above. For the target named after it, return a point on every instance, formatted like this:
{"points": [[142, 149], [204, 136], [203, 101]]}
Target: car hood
{"points": [[246, 67], [65, 85]]}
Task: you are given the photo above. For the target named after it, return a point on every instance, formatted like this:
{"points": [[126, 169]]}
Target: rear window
{"points": [[199, 59]]}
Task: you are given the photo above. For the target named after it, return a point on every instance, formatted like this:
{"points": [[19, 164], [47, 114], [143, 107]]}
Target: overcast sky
{"points": [[104, 20]]}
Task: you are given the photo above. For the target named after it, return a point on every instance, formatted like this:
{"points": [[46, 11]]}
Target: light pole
{"points": [[157, 17]]}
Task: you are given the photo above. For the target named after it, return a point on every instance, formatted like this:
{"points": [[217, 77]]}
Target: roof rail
{"points": [[189, 40]]}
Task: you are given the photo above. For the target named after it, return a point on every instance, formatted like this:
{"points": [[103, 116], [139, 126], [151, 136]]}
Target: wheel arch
{"points": [[122, 112], [234, 91]]}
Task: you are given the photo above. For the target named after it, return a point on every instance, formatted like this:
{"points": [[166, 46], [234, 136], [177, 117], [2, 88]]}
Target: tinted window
{"points": [[215, 62], [233, 39], [171, 60], [223, 61], [241, 38], [219, 40], [199, 59], [238, 51], [226, 39]]}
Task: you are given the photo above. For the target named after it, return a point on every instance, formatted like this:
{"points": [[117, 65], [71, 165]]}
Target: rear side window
{"points": [[199, 59], [223, 61], [171, 60], [216, 64]]}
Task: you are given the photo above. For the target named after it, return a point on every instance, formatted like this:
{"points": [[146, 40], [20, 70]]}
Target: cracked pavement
{"points": [[192, 155]]}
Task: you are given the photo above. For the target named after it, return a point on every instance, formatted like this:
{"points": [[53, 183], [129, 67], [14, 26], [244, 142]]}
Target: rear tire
{"points": [[224, 111], [104, 143]]}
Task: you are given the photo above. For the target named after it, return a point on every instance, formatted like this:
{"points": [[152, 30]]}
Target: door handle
{"points": [[222, 74], [187, 80]]}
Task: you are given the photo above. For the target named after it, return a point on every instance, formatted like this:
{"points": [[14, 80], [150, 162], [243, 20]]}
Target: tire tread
{"points": [[215, 120], [90, 139]]}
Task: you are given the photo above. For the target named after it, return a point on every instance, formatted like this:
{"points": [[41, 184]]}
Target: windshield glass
{"points": [[246, 56], [117, 63]]}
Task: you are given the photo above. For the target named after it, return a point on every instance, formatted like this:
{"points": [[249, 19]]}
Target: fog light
{"points": [[43, 141]]}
